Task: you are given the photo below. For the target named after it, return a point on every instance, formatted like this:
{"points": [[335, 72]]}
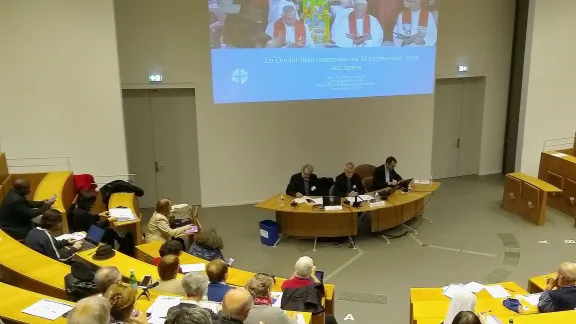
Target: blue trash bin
{"points": [[268, 232]]}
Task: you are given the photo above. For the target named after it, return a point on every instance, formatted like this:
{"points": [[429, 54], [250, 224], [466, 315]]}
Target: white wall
{"points": [[547, 110], [60, 94], [248, 151]]}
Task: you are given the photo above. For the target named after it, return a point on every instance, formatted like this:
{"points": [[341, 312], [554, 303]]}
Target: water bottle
{"points": [[377, 197], [281, 199], [431, 178], [133, 282]]}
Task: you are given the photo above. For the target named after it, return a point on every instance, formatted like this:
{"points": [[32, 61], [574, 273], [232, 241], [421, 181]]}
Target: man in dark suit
{"points": [[17, 212], [304, 183], [385, 176], [348, 183]]}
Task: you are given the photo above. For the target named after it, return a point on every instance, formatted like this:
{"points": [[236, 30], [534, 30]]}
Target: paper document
{"points": [[451, 290], [155, 320], [378, 204], [123, 214], [474, 287], [276, 298], [161, 305], [213, 306], [48, 309], [300, 318], [493, 320], [497, 291], [332, 207], [74, 236], [195, 267], [361, 198], [422, 182], [532, 299], [559, 154], [318, 201]]}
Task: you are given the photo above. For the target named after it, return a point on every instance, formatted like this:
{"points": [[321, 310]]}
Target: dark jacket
{"points": [[16, 213], [80, 282], [564, 298], [119, 186], [304, 299], [380, 182], [82, 219], [41, 241], [296, 185], [227, 320], [204, 252], [341, 185]]}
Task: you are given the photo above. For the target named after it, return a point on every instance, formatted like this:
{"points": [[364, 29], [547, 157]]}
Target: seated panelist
{"points": [[385, 176], [348, 183], [304, 183], [17, 212]]}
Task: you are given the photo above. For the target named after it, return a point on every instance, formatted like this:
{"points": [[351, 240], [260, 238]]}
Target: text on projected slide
{"points": [[277, 50]]}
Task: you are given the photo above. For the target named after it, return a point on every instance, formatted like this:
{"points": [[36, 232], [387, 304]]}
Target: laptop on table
{"points": [[93, 238]]}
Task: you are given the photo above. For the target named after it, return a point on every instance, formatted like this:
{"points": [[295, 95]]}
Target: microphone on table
{"points": [[356, 203], [145, 291]]}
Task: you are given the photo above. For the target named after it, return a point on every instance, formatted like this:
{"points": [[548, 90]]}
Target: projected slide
{"points": [[278, 50]]}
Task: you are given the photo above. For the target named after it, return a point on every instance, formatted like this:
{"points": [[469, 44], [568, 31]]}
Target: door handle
{"points": [[159, 167]]}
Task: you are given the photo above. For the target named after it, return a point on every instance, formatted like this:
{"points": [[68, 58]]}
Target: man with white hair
{"points": [[348, 183], [358, 29], [303, 183], [106, 277], [184, 314], [304, 274], [195, 285], [415, 26], [560, 293], [90, 310], [290, 31], [276, 8]]}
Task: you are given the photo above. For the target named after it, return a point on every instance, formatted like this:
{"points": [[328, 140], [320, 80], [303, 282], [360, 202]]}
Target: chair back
{"points": [[365, 170], [367, 182]]}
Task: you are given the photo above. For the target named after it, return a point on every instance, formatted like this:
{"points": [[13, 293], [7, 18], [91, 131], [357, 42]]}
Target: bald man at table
{"points": [[560, 293]]}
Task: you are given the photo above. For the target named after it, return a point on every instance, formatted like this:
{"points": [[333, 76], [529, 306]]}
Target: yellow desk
{"points": [[30, 270], [3, 167], [438, 309], [548, 318], [14, 300], [61, 184], [539, 283], [436, 294], [236, 277], [304, 221], [127, 200]]}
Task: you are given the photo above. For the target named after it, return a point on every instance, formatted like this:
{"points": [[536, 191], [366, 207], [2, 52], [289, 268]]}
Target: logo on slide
{"points": [[240, 76]]}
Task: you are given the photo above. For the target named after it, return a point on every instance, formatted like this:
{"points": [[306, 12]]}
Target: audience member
{"points": [[467, 317], [17, 212], [560, 293], [304, 274], [41, 239], [184, 314], [79, 283], [171, 247], [82, 217], [159, 227], [260, 288], [236, 305], [207, 245], [167, 271], [122, 299], [463, 300], [106, 277], [195, 285], [91, 310], [217, 271]]}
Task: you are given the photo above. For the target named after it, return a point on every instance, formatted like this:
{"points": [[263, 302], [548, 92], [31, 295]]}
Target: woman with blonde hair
{"points": [[122, 299], [159, 227], [260, 288], [207, 245]]}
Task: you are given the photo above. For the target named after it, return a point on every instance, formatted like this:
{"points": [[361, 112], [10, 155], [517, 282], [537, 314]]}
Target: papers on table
{"points": [[497, 291], [48, 309], [474, 287], [422, 182], [299, 200], [122, 214], [492, 320], [377, 203], [361, 198], [332, 207], [195, 267], [559, 154], [159, 309], [276, 298], [74, 236], [316, 201], [213, 306], [300, 318], [532, 299]]}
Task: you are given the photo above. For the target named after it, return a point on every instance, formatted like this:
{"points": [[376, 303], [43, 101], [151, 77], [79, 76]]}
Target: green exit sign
{"points": [[154, 78]]}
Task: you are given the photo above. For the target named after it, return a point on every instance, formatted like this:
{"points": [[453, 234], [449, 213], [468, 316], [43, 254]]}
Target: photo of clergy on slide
{"points": [[322, 23]]}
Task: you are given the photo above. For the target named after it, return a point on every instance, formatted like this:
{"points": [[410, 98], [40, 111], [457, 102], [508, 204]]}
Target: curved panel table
{"points": [[305, 221]]}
